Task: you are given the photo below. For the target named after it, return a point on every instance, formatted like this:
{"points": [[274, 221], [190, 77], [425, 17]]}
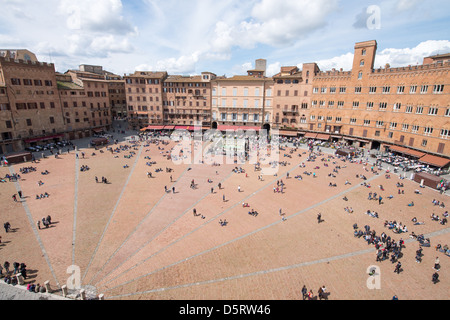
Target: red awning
{"points": [[323, 137], [223, 128], [155, 128], [44, 138], [310, 135], [169, 127], [434, 161], [181, 127], [288, 133], [407, 151], [250, 128]]}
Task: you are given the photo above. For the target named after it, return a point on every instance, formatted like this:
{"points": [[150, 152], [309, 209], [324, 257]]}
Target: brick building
{"points": [[406, 107], [30, 106], [292, 100], [187, 100], [117, 98], [144, 98], [97, 98], [75, 107]]}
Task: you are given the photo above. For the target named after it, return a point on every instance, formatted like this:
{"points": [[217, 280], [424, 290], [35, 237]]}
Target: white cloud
{"points": [[274, 23], [405, 5], [395, 57], [181, 65], [110, 44], [95, 16], [281, 22], [273, 69], [344, 61], [411, 56]]}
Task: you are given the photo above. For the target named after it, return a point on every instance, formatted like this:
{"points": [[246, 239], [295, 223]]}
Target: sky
{"points": [[225, 37]]}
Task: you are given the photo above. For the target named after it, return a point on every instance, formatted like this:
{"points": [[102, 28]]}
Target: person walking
{"points": [[304, 292], [398, 267], [6, 265], [38, 224], [16, 267], [319, 218]]}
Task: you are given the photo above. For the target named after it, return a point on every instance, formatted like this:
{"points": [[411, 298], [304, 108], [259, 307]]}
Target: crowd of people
{"points": [[404, 163]]}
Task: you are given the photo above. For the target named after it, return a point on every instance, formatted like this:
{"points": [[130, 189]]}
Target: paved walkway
{"points": [[9, 292], [133, 240]]}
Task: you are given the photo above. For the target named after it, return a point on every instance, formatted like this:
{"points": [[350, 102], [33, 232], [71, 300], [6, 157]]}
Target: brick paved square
{"points": [[133, 240]]}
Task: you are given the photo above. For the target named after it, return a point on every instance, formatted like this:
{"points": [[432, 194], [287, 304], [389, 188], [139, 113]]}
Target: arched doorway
{"points": [[375, 145], [266, 127], [214, 125]]}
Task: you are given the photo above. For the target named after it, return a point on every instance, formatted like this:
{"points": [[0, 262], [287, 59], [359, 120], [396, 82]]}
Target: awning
{"points": [[169, 127], [44, 138], [310, 135], [155, 128], [323, 137], [249, 128], [193, 128], [288, 133], [434, 161], [407, 151], [181, 127]]}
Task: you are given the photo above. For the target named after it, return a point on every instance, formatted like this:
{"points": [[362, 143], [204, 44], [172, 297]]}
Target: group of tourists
{"points": [[9, 275], [309, 295]]}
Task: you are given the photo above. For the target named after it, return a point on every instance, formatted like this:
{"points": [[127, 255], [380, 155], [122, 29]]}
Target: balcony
{"points": [[291, 112], [239, 108]]}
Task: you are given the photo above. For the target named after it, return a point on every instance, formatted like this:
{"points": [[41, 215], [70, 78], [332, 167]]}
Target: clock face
{"points": [[27, 57]]}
